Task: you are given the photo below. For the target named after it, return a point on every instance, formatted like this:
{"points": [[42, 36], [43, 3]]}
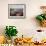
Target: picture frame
{"points": [[16, 11]]}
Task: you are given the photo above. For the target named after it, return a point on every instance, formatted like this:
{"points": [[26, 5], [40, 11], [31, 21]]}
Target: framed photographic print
{"points": [[16, 11]]}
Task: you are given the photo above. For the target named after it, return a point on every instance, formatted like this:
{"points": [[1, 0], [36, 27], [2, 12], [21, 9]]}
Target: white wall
{"points": [[25, 26]]}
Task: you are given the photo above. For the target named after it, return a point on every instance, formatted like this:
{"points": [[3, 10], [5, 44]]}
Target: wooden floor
{"points": [[31, 45]]}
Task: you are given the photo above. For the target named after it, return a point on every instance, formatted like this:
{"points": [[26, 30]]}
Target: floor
{"points": [[30, 45]]}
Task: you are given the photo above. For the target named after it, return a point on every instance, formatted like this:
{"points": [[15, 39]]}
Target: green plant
{"points": [[11, 31], [41, 17]]}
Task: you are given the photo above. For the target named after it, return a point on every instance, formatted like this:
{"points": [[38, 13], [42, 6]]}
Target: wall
{"points": [[26, 26]]}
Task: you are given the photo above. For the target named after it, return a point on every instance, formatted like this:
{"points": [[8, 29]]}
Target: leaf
{"points": [[40, 18], [10, 31]]}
